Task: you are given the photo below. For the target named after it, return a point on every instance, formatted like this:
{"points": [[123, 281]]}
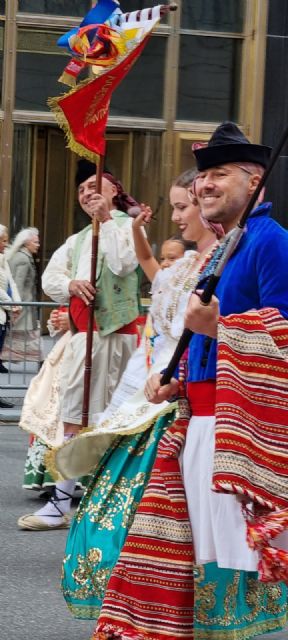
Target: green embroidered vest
{"points": [[117, 299]]}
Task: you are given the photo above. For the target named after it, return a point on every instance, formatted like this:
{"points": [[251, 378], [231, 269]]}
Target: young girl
{"points": [[173, 249]]}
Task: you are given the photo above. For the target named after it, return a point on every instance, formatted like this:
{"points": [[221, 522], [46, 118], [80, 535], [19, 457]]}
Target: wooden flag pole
{"points": [[89, 336], [95, 236]]}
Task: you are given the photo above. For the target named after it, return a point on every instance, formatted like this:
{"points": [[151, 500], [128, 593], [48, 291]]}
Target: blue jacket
{"points": [[256, 276]]}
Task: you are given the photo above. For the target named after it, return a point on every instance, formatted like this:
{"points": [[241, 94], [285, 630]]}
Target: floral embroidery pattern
{"points": [[91, 581], [260, 598], [109, 500]]}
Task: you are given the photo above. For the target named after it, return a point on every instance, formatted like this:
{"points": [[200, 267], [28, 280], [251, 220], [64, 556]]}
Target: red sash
{"points": [[79, 312]]}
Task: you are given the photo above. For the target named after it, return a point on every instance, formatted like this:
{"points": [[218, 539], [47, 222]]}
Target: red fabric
{"points": [[202, 397], [73, 69], [251, 436], [252, 407], [80, 311], [86, 108]]}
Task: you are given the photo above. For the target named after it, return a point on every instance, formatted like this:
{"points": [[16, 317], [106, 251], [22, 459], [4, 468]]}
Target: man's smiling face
{"points": [[223, 193]]}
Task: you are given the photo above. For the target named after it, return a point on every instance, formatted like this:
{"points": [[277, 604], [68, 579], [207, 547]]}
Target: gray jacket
{"points": [[23, 270]]}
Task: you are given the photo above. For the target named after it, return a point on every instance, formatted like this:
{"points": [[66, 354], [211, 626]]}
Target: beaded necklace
{"points": [[185, 280], [215, 257]]}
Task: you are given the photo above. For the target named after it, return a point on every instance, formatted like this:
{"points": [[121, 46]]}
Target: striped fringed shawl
{"points": [[251, 450]]}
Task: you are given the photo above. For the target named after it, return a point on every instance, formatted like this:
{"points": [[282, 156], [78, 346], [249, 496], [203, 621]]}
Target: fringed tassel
{"points": [[265, 527], [71, 72], [273, 564], [63, 123], [108, 633]]}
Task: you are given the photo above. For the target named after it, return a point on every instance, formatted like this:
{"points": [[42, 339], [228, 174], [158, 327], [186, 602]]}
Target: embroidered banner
{"points": [[83, 112], [110, 42]]}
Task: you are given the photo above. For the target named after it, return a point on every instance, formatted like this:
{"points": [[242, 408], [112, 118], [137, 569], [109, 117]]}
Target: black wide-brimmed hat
{"points": [[228, 144], [85, 169]]}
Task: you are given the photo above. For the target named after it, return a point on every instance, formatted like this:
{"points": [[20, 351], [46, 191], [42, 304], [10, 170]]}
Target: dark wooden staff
{"points": [[89, 335], [232, 243]]}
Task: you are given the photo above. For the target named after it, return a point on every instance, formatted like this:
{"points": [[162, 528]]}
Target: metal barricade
{"points": [[25, 349]]}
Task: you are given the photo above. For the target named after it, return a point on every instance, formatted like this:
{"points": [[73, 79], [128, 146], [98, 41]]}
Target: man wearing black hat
{"points": [[67, 279], [255, 278]]}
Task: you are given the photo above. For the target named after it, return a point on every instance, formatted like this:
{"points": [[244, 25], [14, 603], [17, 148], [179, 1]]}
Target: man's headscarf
{"points": [[122, 200]]}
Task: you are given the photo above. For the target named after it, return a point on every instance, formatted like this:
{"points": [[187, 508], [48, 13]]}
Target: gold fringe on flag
{"points": [[63, 123]]}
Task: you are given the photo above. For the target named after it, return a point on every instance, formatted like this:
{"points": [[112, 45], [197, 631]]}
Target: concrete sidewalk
{"points": [[32, 605]]}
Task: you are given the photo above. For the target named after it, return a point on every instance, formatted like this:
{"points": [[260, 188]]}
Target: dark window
{"points": [[213, 15], [55, 7], [209, 78], [141, 92], [39, 65], [2, 7], [135, 5], [32, 91], [20, 192]]}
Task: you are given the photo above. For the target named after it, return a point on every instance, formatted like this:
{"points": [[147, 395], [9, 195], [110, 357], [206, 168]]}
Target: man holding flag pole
{"points": [[104, 294]]}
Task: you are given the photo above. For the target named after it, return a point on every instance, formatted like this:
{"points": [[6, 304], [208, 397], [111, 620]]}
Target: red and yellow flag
{"points": [[83, 112]]}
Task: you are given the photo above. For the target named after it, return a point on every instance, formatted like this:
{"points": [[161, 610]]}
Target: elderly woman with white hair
{"points": [[8, 293], [25, 337]]}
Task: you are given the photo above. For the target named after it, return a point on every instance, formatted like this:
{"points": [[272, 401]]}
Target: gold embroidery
{"points": [[253, 630], [260, 598], [149, 438], [120, 419], [88, 612], [111, 499], [92, 581]]}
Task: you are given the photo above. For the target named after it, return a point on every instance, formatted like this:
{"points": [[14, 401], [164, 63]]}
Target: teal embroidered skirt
{"points": [[229, 605], [105, 513]]}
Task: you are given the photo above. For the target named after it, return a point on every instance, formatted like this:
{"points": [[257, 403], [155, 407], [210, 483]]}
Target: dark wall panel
{"points": [[275, 113]]}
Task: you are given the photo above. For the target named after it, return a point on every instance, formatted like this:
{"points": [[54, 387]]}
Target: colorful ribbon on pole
{"points": [[110, 49]]}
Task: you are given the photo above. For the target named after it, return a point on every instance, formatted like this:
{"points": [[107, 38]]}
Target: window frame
{"points": [[251, 86], [251, 82]]}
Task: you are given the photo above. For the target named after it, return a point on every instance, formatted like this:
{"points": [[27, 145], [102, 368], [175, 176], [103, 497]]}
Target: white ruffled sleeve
{"points": [[57, 275], [117, 245]]}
